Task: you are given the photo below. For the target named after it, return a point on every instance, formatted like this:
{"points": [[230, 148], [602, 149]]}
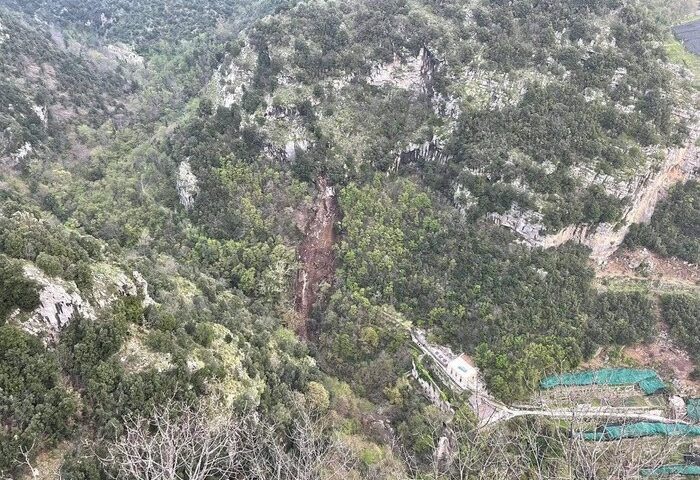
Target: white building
{"points": [[462, 372]]}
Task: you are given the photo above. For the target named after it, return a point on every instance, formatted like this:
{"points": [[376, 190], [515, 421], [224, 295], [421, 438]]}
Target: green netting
{"points": [[643, 429], [693, 406], [664, 470], [652, 385], [647, 380]]}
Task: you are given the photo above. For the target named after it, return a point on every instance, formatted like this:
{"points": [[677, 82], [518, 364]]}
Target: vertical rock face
{"points": [[292, 147], [412, 74], [679, 165], [43, 114], [21, 153], [229, 82], [142, 288], [428, 67], [315, 255], [428, 152], [187, 187]]}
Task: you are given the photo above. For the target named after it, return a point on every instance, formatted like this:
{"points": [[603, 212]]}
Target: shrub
{"points": [[16, 291]]}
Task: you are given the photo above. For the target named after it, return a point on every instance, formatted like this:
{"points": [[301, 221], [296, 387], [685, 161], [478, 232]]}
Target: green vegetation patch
{"points": [[681, 312], [16, 291], [35, 408], [647, 380], [674, 229], [693, 406]]}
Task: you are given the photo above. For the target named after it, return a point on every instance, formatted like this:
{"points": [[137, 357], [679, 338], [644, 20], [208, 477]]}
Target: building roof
{"points": [[460, 363]]}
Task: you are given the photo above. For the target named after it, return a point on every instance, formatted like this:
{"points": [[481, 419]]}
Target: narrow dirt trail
{"points": [[315, 254]]}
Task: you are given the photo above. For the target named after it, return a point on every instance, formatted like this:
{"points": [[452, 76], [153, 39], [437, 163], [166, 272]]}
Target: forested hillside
{"points": [[217, 219], [148, 26], [45, 87], [674, 227], [505, 104]]}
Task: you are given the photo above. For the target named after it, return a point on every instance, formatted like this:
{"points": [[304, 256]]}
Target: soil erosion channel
{"points": [[316, 256]]}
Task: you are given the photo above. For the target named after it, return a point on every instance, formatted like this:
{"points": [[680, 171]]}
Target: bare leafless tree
{"points": [[178, 443], [615, 459], [172, 443], [27, 455]]}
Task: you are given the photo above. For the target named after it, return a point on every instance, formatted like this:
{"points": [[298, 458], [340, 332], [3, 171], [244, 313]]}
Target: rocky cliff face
{"points": [[431, 151], [187, 188], [230, 80], [61, 301], [350, 97], [415, 74], [59, 304], [644, 190], [285, 127]]}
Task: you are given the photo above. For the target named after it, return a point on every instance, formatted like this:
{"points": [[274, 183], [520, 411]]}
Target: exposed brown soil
{"points": [[663, 355], [660, 275], [668, 359], [641, 264], [47, 464], [316, 256]]}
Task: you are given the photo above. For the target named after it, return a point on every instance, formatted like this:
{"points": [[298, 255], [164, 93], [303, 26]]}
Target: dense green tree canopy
{"points": [[185, 143]]}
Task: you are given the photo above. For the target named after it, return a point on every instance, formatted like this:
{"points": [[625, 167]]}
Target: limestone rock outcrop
{"points": [[60, 301], [187, 187], [643, 192]]}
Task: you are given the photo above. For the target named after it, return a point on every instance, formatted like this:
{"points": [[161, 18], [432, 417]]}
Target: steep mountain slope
{"points": [[603, 79], [554, 119], [114, 343], [204, 181], [673, 230], [45, 88], [563, 111], [151, 25]]}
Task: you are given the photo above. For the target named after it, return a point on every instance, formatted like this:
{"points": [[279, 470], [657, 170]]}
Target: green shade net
{"points": [[647, 380], [693, 406], [643, 429], [671, 470]]}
